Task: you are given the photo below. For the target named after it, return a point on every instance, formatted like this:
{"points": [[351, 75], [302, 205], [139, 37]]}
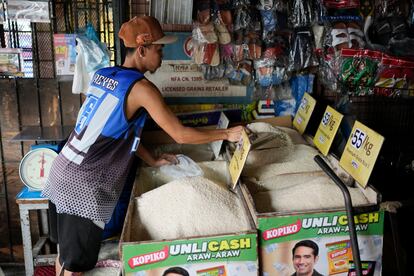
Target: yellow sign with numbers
{"points": [[361, 152], [239, 158], [327, 130], [301, 120]]}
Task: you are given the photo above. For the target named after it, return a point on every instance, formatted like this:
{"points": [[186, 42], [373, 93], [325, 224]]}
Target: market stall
{"points": [[252, 61], [185, 216]]}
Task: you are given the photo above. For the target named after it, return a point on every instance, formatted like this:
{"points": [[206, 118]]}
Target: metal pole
{"points": [[6, 197], [120, 13], [349, 212]]}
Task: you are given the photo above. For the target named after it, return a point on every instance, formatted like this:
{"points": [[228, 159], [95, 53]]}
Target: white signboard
{"points": [[223, 123], [182, 78]]}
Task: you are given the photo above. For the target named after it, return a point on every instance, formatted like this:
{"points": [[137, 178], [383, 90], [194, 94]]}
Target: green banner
{"points": [[150, 255], [281, 229]]}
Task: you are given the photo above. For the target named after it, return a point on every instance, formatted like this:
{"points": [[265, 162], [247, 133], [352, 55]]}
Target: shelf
{"points": [[36, 133]]}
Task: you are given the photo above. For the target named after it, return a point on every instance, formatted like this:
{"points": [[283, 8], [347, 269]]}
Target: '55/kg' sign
{"points": [[361, 152], [361, 139]]}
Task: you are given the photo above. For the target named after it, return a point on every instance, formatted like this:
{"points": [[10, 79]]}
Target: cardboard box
{"points": [[223, 254], [280, 231]]}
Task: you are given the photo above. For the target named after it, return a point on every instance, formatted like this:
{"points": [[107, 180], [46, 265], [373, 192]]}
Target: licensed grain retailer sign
{"points": [[184, 79], [327, 129], [301, 120], [361, 152], [181, 81]]}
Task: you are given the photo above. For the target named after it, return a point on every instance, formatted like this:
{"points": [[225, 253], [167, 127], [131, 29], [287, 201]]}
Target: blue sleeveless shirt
{"points": [[87, 177]]}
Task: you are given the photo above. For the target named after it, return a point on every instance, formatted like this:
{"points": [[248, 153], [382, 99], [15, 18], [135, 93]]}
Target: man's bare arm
{"points": [[145, 94]]}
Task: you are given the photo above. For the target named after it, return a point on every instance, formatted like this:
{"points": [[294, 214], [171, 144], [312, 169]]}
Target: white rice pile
{"points": [[296, 159], [281, 181], [190, 206], [288, 179], [282, 138], [294, 135], [316, 193], [150, 178]]}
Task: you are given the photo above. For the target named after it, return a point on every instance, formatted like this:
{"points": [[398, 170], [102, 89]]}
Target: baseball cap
{"points": [[143, 30]]}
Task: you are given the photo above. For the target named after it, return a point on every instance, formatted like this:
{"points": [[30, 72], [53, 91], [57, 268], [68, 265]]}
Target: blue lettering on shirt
{"points": [[86, 113]]}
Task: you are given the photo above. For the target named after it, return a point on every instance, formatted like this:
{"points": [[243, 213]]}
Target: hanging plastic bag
{"points": [[264, 71], [185, 167], [395, 77], [301, 54], [96, 53], [91, 56], [302, 13], [301, 84]]}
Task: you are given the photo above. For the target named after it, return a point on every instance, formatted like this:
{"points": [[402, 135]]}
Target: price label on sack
{"points": [[361, 152], [327, 130], [239, 158], [301, 120]]}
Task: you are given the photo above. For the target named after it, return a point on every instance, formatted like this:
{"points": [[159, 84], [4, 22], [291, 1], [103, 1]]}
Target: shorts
{"points": [[79, 240]]}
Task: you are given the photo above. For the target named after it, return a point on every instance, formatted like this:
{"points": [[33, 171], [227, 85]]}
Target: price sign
{"points": [[361, 152], [327, 130], [301, 120], [222, 124], [239, 158]]}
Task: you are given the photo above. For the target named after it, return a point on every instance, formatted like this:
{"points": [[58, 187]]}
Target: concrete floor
{"points": [[109, 251]]}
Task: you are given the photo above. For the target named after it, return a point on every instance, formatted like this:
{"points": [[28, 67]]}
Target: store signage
{"points": [[239, 158], [181, 81], [224, 253], [304, 113], [361, 152], [330, 232], [181, 78], [327, 130], [223, 123], [65, 53], [10, 62]]}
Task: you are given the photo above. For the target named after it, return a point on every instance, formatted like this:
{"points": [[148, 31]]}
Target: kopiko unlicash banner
{"points": [[218, 255], [329, 233]]}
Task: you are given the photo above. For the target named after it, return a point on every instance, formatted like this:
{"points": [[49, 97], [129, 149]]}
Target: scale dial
{"points": [[35, 167]]}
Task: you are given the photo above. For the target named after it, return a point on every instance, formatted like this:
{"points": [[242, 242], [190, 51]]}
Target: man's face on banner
{"points": [[304, 260]]}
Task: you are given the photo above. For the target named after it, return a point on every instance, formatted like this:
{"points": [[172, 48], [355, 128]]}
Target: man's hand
{"points": [[234, 133], [165, 159]]}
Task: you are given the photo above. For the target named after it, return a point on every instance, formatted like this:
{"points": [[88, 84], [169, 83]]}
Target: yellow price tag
{"points": [[239, 158], [301, 120], [361, 152], [327, 130]]}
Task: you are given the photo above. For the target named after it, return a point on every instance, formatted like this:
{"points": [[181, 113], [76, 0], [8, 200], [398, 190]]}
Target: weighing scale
{"points": [[35, 167]]}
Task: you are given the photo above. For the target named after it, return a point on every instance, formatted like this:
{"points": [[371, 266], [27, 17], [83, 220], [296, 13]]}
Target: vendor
{"points": [[86, 178]]}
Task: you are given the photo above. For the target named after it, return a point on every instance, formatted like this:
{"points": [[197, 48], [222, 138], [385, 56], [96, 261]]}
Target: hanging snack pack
{"points": [[341, 4], [395, 78], [358, 70]]}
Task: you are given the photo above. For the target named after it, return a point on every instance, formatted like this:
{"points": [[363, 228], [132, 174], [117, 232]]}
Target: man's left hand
{"points": [[166, 159]]}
